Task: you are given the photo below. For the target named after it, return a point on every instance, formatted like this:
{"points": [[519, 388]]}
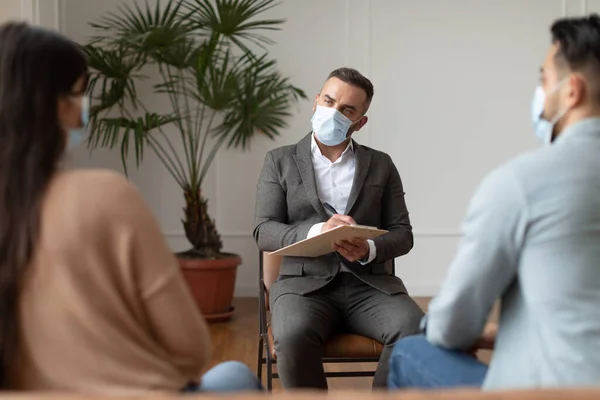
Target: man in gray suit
{"points": [[327, 180], [532, 239]]}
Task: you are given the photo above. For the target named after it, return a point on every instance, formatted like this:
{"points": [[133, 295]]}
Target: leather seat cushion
{"points": [[343, 345]]}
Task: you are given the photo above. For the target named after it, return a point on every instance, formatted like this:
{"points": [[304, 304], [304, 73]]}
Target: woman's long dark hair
{"points": [[37, 66]]}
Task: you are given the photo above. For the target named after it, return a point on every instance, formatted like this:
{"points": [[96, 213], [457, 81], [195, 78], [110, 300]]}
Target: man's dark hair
{"points": [[354, 78], [578, 41]]}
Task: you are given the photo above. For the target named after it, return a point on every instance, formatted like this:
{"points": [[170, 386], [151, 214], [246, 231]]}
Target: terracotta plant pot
{"points": [[212, 282]]}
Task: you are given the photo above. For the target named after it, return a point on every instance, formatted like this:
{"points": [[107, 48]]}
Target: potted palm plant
{"points": [[208, 58]]}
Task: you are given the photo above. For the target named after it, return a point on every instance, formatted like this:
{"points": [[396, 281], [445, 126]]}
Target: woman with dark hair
{"points": [[91, 297]]}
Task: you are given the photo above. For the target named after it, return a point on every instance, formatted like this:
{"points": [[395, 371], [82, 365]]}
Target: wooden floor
{"points": [[237, 339]]}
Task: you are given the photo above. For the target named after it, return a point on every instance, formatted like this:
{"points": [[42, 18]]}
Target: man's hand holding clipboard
{"points": [[352, 249], [340, 233]]}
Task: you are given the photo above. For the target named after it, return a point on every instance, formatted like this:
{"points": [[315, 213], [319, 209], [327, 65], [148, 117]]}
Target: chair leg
{"points": [[260, 359], [269, 371]]}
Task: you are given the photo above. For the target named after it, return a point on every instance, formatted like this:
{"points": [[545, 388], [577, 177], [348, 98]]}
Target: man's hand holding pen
{"points": [[352, 249]]}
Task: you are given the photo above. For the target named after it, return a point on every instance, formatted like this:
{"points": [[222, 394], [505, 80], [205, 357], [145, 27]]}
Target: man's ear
{"points": [[363, 121], [577, 90]]}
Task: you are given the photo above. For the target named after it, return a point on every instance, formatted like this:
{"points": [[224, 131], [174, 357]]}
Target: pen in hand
{"points": [[329, 207], [343, 218]]}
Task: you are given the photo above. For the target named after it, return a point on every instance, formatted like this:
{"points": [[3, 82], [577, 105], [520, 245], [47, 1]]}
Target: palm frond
{"points": [[160, 33], [216, 82], [131, 20], [113, 76], [260, 103], [111, 132], [234, 19]]}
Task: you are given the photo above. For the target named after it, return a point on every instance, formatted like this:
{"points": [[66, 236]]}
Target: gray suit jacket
{"points": [[287, 206]]}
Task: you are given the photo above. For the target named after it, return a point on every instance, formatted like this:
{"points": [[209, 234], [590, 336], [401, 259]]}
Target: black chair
{"points": [[340, 348]]}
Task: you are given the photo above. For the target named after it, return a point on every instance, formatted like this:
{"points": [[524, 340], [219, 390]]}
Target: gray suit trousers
{"points": [[302, 324]]}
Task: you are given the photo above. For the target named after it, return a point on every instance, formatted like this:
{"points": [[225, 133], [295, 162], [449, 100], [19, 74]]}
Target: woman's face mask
{"points": [[79, 135]]}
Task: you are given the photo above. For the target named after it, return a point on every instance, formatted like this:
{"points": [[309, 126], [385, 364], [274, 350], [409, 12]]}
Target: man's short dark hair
{"points": [[578, 41], [354, 78]]}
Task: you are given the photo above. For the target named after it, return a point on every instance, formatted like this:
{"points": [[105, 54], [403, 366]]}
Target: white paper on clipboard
{"points": [[322, 243]]}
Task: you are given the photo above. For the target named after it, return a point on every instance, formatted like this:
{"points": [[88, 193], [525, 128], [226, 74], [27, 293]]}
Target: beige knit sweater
{"points": [[104, 307]]}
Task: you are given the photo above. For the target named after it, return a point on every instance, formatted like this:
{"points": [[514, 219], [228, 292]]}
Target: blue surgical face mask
{"points": [[79, 135], [542, 127], [330, 126]]}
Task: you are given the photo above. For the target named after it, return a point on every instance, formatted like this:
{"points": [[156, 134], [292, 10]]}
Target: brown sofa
{"points": [[583, 394]]}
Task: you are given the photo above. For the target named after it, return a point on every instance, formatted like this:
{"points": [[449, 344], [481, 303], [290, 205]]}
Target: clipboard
{"points": [[321, 244]]}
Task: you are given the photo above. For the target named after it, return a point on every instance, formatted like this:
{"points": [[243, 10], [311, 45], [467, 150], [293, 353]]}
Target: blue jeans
{"points": [[230, 376], [416, 363]]}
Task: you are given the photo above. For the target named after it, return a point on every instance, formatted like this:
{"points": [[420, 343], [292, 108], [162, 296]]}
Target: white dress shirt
{"points": [[334, 183]]}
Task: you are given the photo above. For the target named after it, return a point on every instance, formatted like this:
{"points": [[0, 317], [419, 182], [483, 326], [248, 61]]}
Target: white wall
{"points": [[42, 12], [453, 83], [10, 9]]}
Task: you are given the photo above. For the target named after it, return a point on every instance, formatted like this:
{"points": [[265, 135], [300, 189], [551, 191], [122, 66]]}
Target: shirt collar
{"points": [[585, 127]]}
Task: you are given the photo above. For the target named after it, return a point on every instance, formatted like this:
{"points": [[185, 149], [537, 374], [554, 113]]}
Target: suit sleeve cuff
{"points": [[372, 253], [315, 230]]}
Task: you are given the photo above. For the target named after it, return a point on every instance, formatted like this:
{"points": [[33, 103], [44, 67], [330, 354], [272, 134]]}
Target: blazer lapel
{"points": [[363, 160], [303, 160]]}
